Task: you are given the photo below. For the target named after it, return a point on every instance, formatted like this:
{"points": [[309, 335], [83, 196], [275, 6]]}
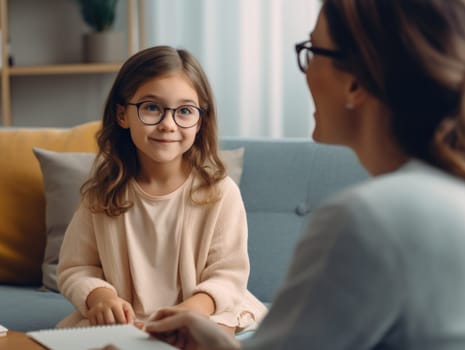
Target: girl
{"points": [[160, 224]]}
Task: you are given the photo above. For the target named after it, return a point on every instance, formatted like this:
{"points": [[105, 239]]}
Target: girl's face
{"points": [[334, 123], [162, 144]]}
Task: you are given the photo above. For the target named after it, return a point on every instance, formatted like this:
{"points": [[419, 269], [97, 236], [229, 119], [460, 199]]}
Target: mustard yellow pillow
{"points": [[22, 202]]}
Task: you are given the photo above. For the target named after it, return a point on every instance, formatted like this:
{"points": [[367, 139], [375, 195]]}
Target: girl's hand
{"points": [[189, 330], [105, 307]]}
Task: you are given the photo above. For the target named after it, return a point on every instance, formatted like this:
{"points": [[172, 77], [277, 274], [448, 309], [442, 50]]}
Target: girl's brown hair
{"points": [[411, 55], [117, 161]]}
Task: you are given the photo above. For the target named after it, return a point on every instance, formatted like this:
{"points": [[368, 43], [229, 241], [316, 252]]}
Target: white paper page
{"points": [[125, 337]]}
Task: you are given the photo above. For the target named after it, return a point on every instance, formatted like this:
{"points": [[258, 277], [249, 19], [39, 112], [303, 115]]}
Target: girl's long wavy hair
{"points": [[117, 162], [411, 55]]}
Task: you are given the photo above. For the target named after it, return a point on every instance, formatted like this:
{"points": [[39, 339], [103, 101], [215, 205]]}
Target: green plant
{"points": [[98, 14]]}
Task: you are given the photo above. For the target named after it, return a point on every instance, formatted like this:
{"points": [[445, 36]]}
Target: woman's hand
{"points": [[105, 307], [189, 330]]}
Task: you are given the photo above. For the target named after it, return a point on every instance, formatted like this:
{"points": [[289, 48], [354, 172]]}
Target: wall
{"points": [[245, 46], [247, 50], [48, 32]]}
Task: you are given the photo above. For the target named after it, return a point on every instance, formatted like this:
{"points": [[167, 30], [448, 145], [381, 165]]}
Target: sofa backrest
{"points": [[283, 181]]}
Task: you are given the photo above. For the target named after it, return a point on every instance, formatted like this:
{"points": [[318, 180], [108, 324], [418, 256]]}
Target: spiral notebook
{"points": [[125, 337], [3, 331]]}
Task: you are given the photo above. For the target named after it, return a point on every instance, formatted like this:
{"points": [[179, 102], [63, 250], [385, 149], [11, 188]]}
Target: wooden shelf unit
{"points": [[7, 72], [64, 69]]}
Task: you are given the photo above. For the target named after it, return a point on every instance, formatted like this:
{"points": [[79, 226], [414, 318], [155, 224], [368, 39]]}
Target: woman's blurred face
{"points": [[329, 88]]}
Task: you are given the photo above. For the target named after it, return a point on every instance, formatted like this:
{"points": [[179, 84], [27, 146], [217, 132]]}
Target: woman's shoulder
{"points": [[413, 182], [410, 199]]}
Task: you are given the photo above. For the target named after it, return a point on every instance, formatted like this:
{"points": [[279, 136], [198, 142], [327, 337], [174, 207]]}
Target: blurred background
{"points": [[245, 46]]}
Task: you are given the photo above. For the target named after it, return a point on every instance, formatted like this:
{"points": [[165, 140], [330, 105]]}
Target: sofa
{"points": [[281, 180]]}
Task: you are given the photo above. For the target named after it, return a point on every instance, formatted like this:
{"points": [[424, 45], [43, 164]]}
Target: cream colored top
{"points": [[160, 252]]}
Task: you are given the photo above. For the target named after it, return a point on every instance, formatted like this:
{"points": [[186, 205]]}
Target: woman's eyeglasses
{"points": [[305, 51]]}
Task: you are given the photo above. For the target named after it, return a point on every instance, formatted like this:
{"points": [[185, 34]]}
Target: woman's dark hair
{"points": [[411, 55], [117, 160]]}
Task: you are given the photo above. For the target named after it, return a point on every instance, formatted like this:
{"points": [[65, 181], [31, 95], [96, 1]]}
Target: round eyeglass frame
{"points": [[304, 60], [165, 109]]}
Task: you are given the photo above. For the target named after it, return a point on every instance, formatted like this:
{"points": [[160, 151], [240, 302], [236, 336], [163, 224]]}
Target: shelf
{"points": [[7, 73], [64, 69]]}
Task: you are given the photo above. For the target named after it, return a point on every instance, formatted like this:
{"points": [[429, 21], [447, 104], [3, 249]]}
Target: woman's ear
{"points": [[121, 117], [356, 94]]}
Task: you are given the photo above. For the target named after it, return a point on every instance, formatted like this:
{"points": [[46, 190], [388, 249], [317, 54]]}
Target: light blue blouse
{"points": [[380, 266]]}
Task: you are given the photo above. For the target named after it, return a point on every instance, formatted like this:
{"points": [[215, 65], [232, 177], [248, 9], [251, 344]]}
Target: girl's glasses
{"points": [[151, 113], [305, 51]]}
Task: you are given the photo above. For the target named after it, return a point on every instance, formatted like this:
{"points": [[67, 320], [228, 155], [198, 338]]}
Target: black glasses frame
{"points": [[307, 45], [165, 109]]}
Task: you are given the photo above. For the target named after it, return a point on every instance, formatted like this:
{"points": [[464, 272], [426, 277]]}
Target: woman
{"points": [[382, 265]]}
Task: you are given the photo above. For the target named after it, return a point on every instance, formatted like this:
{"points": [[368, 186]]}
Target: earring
{"points": [[349, 106]]}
